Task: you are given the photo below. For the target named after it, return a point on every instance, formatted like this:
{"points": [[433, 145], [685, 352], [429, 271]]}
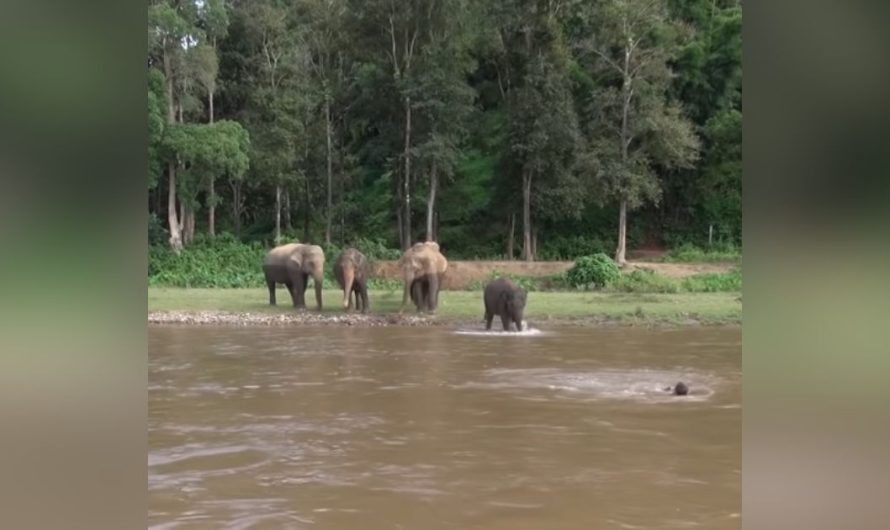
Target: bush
{"points": [[687, 253], [157, 233], [208, 262], [597, 269], [566, 248], [714, 282], [644, 281]]}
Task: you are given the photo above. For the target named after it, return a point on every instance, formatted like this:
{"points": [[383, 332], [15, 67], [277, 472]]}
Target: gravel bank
{"points": [[285, 319]]}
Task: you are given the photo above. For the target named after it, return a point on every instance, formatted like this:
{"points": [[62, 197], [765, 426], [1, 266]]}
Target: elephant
{"points": [[292, 264], [680, 389], [423, 267], [351, 271], [504, 298]]}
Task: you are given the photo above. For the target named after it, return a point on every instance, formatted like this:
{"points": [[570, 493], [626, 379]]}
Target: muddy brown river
{"points": [[424, 428]]}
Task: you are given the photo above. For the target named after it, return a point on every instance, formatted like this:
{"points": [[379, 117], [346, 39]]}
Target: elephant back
{"points": [[423, 256], [280, 254], [354, 257]]}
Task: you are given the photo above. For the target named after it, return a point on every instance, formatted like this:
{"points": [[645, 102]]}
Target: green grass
{"points": [[717, 307]]}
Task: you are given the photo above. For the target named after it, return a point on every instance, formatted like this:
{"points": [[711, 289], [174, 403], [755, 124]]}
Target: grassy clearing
{"points": [[718, 307]]}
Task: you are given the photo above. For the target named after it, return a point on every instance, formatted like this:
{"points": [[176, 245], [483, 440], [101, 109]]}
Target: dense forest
{"points": [[532, 129]]}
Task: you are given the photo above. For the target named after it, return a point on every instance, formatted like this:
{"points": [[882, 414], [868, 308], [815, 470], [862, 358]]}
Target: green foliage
{"points": [[688, 253], [501, 92], [157, 233], [569, 247], [712, 283], [644, 281], [597, 269], [216, 262]]}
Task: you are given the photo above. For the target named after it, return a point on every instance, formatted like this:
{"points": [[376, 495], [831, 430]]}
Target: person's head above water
{"points": [[680, 389]]}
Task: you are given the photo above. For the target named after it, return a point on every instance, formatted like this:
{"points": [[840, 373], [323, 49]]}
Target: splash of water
{"points": [[496, 331]]}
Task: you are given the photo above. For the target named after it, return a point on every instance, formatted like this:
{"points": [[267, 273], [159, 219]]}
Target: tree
{"points": [[636, 128], [322, 39], [444, 100], [169, 25], [202, 150], [214, 18], [542, 120], [276, 105]]}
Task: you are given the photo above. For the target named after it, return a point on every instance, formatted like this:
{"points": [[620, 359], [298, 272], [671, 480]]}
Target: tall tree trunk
{"points": [[431, 203], [306, 211], [182, 223], [627, 95], [287, 225], [534, 244], [527, 216], [402, 244], [278, 214], [622, 233], [510, 237], [406, 195], [211, 191], [328, 211], [172, 220]]}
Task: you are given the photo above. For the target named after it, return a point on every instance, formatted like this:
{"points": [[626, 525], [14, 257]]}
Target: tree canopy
{"points": [[541, 129]]}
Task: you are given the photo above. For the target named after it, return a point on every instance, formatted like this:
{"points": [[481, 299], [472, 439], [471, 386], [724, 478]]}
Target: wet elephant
{"points": [[351, 271], [292, 265], [423, 267], [507, 300]]}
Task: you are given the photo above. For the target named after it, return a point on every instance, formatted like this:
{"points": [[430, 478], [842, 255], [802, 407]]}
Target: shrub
{"points": [[691, 253], [645, 281], [597, 269], [565, 248], [157, 233], [714, 282]]}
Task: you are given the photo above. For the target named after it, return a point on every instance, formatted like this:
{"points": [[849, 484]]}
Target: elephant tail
{"points": [[348, 279]]}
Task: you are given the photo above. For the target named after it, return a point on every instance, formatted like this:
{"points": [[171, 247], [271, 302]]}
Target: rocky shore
{"points": [[298, 318]]}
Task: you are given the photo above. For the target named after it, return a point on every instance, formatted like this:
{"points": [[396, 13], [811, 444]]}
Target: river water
{"points": [[427, 428]]}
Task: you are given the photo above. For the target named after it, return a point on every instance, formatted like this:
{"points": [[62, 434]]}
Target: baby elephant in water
{"points": [[504, 298], [680, 389]]}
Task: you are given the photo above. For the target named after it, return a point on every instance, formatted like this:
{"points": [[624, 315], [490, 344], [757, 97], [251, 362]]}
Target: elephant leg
{"points": [[297, 290], [271, 284], [417, 294], [518, 322], [488, 318], [364, 294], [505, 320], [409, 286], [433, 295]]}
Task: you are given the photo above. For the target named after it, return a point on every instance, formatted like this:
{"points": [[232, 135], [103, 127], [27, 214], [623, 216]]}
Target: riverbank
{"points": [[250, 307]]}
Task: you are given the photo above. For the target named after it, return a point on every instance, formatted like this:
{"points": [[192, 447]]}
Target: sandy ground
{"points": [[461, 274]]}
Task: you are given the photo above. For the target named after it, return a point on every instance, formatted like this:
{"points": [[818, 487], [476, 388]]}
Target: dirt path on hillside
{"points": [[461, 274]]}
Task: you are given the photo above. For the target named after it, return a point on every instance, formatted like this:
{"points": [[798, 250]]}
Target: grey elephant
{"points": [[352, 271], [506, 299], [292, 264]]}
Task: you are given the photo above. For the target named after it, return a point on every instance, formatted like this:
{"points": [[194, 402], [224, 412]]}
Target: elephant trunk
{"points": [[319, 279], [434, 291], [348, 278]]}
